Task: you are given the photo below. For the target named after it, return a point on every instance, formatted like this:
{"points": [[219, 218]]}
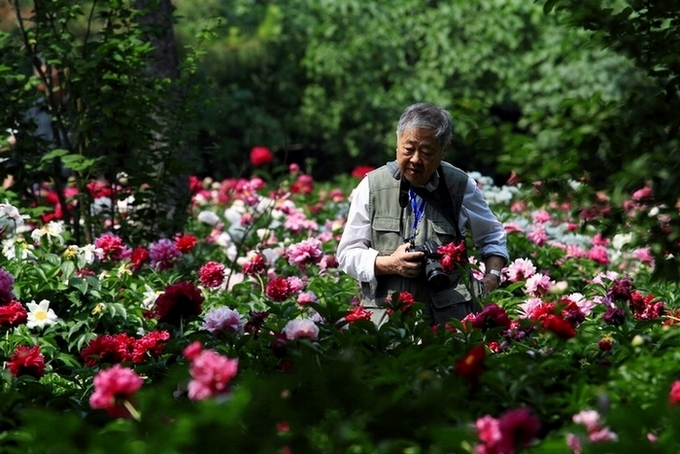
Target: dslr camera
{"points": [[432, 267]]}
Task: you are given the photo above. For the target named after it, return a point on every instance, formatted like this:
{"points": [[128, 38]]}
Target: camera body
{"points": [[432, 267]]}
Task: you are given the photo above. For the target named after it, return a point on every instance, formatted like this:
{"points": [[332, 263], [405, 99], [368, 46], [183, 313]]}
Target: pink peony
{"points": [[114, 386], [305, 253], [520, 270], [211, 372], [301, 328], [223, 319]]}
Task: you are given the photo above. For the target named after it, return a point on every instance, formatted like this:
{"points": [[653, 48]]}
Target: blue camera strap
{"points": [[418, 208]]}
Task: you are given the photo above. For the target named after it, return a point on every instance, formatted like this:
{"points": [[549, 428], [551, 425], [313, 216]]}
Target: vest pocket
{"points": [[446, 233], [387, 235]]}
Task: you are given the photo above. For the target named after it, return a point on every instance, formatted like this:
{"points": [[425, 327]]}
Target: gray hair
{"points": [[427, 116]]}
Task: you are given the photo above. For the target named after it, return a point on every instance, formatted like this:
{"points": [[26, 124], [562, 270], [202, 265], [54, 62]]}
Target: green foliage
{"points": [[90, 110]]}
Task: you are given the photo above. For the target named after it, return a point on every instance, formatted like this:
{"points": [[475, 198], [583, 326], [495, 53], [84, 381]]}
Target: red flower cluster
{"points": [[260, 156], [211, 274], [179, 301], [561, 322], [13, 314], [303, 185], [644, 307], [402, 303], [122, 348], [452, 255], [27, 361], [140, 255], [358, 313], [185, 242], [113, 387]]}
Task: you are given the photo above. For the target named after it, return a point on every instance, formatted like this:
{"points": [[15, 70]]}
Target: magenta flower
{"points": [[163, 254], [514, 430], [538, 235], [223, 319], [114, 386], [599, 254], [111, 247]]}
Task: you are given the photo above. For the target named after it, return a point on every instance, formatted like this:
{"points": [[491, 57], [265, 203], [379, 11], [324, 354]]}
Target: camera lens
{"points": [[436, 277]]}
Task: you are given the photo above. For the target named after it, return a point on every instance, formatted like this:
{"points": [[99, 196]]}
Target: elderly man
{"points": [[402, 212]]}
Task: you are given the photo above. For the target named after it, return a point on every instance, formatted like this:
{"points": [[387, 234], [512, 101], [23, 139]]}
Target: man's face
{"points": [[418, 155]]}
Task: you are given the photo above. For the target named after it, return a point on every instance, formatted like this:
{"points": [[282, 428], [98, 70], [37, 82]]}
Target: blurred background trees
{"points": [[557, 91]]}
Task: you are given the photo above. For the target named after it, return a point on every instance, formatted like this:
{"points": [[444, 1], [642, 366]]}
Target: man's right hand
{"points": [[400, 262]]}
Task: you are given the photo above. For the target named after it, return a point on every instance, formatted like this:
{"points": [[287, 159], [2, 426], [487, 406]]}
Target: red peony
{"points": [[278, 289], [152, 343], [491, 316], [260, 156], [140, 256], [211, 274], [452, 254], [27, 361], [358, 313], [108, 349], [561, 327], [177, 302], [13, 314], [361, 171], [470, 365], [256, 265], [185, 243]]}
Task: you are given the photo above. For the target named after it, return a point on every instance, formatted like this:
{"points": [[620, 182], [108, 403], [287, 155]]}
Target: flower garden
{"points": [[240, 334]]}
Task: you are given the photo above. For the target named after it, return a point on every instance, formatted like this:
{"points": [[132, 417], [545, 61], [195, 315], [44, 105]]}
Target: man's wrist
{"points": [[494, 273]]}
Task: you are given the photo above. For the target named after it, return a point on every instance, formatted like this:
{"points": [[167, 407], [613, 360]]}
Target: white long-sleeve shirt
{"points": [[356, 257]]}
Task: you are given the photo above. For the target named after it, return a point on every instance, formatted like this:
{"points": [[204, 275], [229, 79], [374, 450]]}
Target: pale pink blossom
{"points": [[538, 285], [538, 235], [301, 328], [295, 284], [511, 227], [541, 216], [599, 240], [223, 319], [574, 443], [588, 418], [520, 270], [575, 251], [644, 255], [528, 307], [585, 306], [307, 298], [604, 434]]}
